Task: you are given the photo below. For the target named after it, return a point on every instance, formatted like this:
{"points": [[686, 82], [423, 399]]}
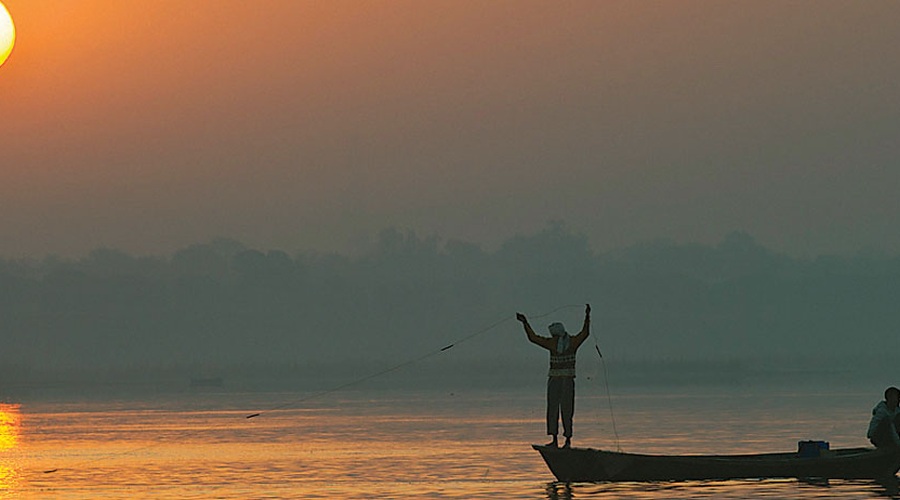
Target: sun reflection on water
{"points": [[9, 439], [416, 445]]}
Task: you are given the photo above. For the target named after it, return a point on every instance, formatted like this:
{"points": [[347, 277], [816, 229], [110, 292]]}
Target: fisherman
{"points": [[561, 378], [883, 426]]}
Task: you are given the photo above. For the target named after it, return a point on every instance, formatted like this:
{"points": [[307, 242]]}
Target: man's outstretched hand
{"points": [[521, 317], [587, 309]]}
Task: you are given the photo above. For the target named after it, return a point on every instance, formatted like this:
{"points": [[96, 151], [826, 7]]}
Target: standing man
{"points": [[561, 378]]}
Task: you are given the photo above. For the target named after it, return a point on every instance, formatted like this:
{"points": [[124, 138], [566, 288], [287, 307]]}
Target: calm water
{"points": [[381, 444]]}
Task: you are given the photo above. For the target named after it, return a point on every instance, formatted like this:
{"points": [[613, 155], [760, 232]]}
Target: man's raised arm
{"points": [[586, 329], [533, 337]]}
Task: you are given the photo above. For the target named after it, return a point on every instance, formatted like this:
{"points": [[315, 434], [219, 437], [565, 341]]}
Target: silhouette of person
{"points": [[883, 426], [561, 377]]}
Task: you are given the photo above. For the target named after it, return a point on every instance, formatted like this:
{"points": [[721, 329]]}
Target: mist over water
{"points": [[238, 318]]}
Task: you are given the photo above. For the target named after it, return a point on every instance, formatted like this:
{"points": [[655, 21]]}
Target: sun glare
{"points": [[7, 34], [9, 439], [9, 427]]}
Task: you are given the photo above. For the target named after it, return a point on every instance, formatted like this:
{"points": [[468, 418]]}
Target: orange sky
{"points": [[148, 126]]}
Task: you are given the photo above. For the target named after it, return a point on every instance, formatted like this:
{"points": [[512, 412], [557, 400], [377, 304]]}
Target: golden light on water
{"points": [[9, 426], [7, 477], [9, 439], [7, 34]]}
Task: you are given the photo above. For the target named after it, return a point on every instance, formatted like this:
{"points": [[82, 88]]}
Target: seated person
{"points": [[883, 426]]}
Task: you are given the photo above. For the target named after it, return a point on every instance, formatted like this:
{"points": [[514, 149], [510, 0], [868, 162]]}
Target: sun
{"points": [[7, 34]]}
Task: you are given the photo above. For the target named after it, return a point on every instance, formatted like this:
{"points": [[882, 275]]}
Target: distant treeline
{"points": [[221, 303]]}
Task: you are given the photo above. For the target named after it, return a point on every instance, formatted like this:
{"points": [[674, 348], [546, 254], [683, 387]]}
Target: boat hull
{"points": [[590, 465]]}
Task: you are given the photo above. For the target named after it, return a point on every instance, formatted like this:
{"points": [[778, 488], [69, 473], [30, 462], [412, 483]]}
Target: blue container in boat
{"points": [[810, 449]]}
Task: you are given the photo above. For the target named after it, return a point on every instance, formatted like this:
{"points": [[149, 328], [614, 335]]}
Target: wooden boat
{"points": [[590, 465]]}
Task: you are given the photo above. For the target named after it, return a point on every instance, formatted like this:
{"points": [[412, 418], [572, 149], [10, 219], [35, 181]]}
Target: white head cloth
{"points": [[562, 337]]}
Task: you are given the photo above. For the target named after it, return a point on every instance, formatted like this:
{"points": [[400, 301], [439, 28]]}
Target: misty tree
{"points": [[554, 265], [222, 303]]}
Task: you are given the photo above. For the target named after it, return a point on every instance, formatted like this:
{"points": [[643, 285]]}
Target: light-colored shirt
{"points": [[883, 416]]}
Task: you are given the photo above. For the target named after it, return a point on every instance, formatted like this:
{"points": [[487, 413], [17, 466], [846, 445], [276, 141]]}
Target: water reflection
{"points": [[9, 440], [891, 486], [888, 487], [559, 491], [815, 481], [391, 446]]}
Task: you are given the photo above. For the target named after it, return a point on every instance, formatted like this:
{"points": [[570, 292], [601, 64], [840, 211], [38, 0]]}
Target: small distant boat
{"points": [[591, 465]]}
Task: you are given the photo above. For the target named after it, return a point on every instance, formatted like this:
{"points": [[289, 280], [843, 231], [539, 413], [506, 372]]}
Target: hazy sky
{"points": [[148, 126]]}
